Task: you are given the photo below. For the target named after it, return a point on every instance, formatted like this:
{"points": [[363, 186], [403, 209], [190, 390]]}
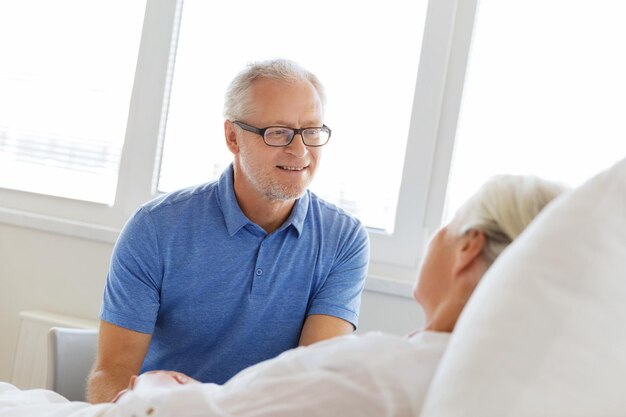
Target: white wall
{"points": [[66, 275]]}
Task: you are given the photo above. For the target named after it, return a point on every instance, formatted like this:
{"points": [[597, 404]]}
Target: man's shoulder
{"points": [[338, 224], [184, 198], [331, 212]]}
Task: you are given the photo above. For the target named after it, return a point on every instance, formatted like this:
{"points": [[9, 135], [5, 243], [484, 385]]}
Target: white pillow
{"points": [[545, 332]]}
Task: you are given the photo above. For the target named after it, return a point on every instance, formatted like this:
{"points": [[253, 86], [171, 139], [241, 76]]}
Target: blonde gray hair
{"points": [[237, 103], [503, 207]]}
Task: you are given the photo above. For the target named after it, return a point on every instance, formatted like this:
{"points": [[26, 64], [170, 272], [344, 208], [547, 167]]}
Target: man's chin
{"points": [[285, 195]]}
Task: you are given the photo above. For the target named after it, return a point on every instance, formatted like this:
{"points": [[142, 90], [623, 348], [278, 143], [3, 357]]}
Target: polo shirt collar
{"points": [[234, 217], [298, 214]]}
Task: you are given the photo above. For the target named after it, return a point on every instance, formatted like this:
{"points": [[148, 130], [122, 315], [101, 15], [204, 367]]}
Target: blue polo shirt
{"points": [[217, 292]]}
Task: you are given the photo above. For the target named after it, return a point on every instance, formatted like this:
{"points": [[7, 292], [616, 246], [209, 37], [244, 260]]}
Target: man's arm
{"points": [[120, 355], [319, 327], [335, 307]]}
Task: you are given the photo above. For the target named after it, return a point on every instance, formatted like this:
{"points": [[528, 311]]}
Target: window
{"points": [[66, 78], [390, 157], [365, 52], [544, 93]]}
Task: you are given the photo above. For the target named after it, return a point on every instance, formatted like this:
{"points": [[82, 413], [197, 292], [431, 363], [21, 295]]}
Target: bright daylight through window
{"points": [[369, 72], [65, 86], [544, 93]]}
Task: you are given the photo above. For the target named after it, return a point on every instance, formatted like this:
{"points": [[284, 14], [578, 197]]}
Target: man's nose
{"points": [[297, 146]]}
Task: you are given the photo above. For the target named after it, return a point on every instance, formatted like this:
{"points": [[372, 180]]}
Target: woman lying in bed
{"points": [[373, 374], [367, 375]]}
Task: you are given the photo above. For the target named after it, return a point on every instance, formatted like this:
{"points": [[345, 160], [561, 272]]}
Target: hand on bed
{"points": [[156, 380]]}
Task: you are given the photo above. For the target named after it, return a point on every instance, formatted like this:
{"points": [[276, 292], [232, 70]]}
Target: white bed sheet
{"points": [[373, 375], [43, 403]]}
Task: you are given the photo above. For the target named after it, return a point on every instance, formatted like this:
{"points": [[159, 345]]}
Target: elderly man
{"points": [[212, 279]]}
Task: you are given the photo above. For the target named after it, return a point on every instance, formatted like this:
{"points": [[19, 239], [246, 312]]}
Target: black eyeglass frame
{"points": [[261, 132]]}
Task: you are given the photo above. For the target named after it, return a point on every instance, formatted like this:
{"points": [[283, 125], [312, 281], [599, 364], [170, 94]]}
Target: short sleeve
{"points": [[340, 295], [131, 295]]}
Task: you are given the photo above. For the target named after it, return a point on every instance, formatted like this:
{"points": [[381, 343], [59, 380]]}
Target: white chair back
{"points": [[71, 354]]}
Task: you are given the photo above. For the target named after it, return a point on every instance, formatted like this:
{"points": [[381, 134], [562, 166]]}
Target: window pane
{"points": [[65, 82], [544, 93], [365, 52]]}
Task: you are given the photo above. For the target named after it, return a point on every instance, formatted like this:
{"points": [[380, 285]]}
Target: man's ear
{"points": [[469, 249], [231, 136]]}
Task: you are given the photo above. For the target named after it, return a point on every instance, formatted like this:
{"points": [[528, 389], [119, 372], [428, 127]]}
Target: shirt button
{"points": [[259, 271]]}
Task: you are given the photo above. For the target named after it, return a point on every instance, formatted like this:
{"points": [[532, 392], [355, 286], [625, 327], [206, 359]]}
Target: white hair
{"points": [[237, 100], [503, 207]]}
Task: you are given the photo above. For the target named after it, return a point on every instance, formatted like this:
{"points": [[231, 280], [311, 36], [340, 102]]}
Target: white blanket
{"points": [[43, 403], [373, 375]]}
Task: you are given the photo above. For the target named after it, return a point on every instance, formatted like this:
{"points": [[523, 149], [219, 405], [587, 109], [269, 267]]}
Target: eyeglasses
{"points": [[282, 136]]}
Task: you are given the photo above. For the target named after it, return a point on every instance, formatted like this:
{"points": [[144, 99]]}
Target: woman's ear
{"points": [[468, 251], [231, 136]]}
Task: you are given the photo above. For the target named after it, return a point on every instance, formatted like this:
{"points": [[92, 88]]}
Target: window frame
{"points": [[143, 129], [395, 257]]}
